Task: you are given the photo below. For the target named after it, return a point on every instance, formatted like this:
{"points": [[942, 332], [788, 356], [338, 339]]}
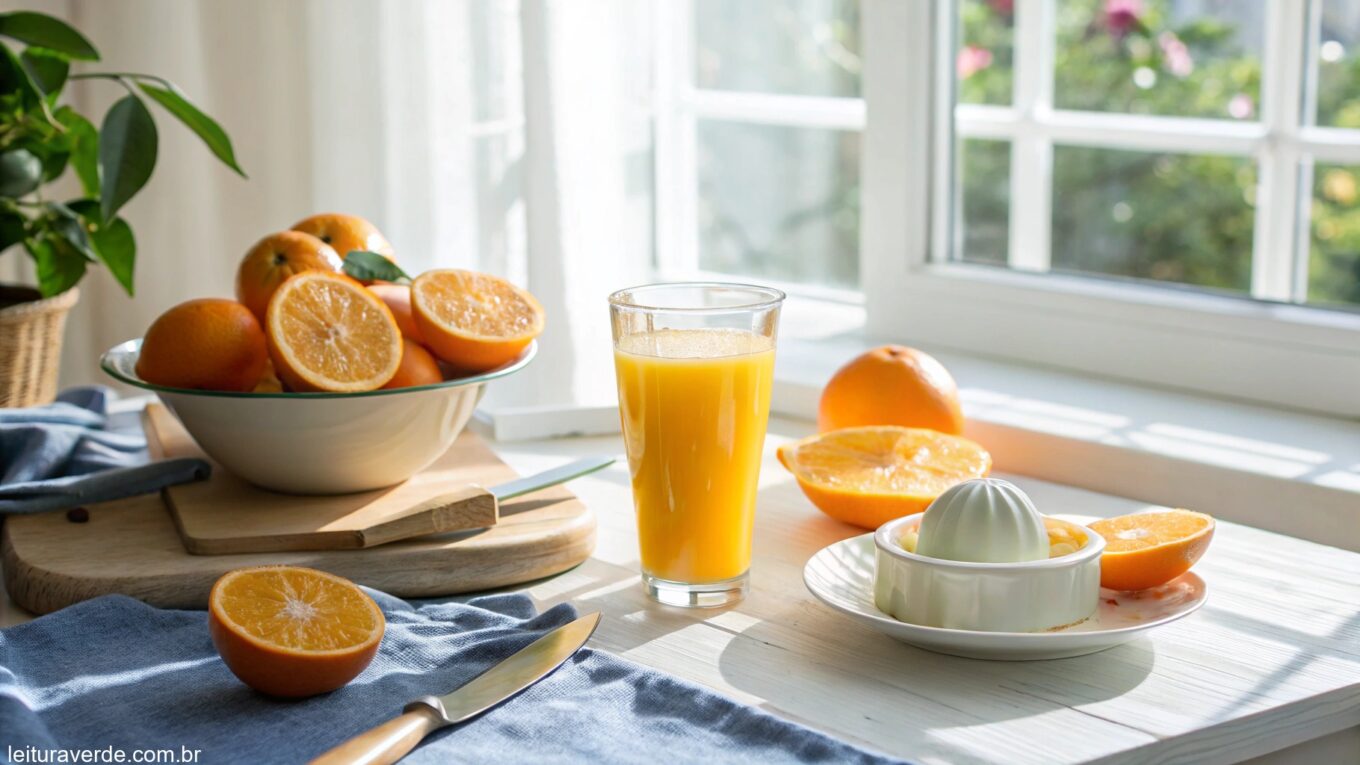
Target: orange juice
{"points": [[695, 403]]}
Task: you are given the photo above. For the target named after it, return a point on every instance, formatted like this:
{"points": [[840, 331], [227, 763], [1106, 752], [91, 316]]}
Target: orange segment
{"points": [[327, 333], [474, 321], [869, 476], [290, 631], [1147, 549]]}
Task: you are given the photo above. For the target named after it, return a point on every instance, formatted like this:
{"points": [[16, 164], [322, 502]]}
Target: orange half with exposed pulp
{"points": [[327, 332], [869, 476], [474, 321], [1144, 550], [291, 631]]}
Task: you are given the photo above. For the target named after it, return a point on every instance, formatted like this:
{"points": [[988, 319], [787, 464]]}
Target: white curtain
{"points": [[511, 137]]}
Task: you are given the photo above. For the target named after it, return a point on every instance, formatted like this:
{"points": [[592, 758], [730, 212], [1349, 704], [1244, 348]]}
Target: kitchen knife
{"points": [[395, 738], [468, 507], [550, 477]]}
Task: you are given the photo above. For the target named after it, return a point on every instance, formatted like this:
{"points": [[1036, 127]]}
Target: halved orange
{"points": [[290, 631], [869, 476], [474, 321], [327, 332], [1144, 550]]}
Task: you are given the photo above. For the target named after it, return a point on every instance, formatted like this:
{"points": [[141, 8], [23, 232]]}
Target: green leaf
{"points": [[13, 228], [21, 172], [47, 32], [46, 69], [59, 265], [193, 118], [15, 77], [71, 228], [370, 266], [127, 153], [84, 149], [113, 242]]}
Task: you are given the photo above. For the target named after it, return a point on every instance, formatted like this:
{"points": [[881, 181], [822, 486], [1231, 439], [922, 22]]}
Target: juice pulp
{"points": [[695, 403]]}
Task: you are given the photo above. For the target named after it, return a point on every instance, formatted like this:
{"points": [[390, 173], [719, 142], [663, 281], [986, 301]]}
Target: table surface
{"points": [[1271, 660]]}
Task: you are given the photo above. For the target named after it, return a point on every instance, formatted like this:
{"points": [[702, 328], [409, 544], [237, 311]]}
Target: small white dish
{"points": [[1026, 596], [842, 577], [320, 443]]}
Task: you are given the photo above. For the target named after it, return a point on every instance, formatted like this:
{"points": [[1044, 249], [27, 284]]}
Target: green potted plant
{"points": [[40, 138]]}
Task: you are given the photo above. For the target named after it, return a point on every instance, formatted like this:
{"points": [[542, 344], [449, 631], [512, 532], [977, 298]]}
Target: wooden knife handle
{"points": [[386, 743], [470, 507]]}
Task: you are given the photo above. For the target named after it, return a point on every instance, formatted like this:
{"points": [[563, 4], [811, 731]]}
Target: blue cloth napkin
{"points": [[114, 672], [62, 455]]}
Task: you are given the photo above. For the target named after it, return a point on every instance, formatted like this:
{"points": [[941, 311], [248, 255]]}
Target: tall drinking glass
{"points": [[695, 363]]}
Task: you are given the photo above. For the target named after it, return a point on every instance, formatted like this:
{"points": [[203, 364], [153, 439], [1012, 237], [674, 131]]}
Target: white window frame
{"points": [[1271, 352]]}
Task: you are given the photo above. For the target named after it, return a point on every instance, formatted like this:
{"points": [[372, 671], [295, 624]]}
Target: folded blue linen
{"points": [[62, 455], [114, 672]]}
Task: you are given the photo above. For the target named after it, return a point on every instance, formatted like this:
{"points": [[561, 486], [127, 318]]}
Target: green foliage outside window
{"points": [[1172, 218]]}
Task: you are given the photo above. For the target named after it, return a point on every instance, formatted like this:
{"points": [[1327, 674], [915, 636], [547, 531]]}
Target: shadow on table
{"points": [[861, 681]]}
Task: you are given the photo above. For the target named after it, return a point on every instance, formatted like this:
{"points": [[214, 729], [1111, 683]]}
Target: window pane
{"points": [[985, 217], [1334, 261], [1166, 217], [1338, 62], [986, 49], [778, 202], [1187, 58], [795, 47]]}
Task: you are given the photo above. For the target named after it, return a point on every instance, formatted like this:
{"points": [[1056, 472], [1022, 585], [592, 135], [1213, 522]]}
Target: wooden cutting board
{"points": [[131, 547], [226, 515]]}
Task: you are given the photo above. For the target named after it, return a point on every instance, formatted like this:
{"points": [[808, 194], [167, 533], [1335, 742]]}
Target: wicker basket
{"points": [[30, 344]]}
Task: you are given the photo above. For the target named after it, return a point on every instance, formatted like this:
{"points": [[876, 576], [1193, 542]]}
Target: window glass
{"points": [[1338, 64], [986, 48], [1184, 58], [1177, 218], [1334, 257], [793, 47], [779, 202], [985, 168]]}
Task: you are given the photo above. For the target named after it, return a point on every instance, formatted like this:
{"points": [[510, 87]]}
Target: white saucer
{"points": [[842, 576]]}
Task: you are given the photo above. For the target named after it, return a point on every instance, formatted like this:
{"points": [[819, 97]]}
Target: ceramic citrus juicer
{"points": [[982, 557]]}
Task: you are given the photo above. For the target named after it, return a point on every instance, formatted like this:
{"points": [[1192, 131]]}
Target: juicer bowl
{"points": [[991, 597]]}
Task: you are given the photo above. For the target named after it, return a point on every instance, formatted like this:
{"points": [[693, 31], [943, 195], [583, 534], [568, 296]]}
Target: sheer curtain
{"points": [[511, 137]]}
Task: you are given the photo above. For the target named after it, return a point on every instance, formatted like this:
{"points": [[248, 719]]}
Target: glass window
{"points": [[985, 168], [1180, 218], [1159, 198], [1185, 58], [987, 44], [1338, 64], [1334, 258], [779, 202], [792, 47]]}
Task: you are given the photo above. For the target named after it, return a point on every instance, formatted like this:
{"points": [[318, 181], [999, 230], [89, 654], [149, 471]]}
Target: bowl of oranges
{"points": [[330, 374]]}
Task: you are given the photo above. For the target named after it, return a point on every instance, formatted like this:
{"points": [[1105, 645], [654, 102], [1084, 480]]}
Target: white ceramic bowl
{"points": [[320, 443], [993, 597]]}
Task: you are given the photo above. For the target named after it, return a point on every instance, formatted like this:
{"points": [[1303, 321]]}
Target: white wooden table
{"points": [[1271, 661]]}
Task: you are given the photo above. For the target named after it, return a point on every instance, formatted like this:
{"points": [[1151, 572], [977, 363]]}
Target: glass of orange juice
{"points": [[695, 363]]}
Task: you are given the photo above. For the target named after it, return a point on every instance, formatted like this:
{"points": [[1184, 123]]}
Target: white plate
{"points": [[842, 576]]}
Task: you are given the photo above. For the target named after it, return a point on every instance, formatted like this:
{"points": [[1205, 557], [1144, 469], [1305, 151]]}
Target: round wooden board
{"points": [[131, 547]]}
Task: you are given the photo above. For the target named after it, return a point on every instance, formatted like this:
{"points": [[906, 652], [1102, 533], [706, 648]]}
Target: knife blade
{"points": [[395, 738], [550, 477]]}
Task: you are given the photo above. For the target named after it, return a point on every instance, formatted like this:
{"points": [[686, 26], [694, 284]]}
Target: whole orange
{"points": [[418, 367], [275, 258], [398, 298], [346, 233], [891, 385], [206, 344]]}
